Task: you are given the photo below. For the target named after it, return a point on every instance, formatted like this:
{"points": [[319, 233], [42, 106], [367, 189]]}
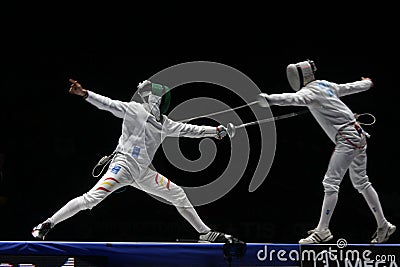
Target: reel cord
{"points": [[103, 161], [357, 116]]}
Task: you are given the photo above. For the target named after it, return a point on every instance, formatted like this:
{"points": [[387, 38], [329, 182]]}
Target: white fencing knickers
{"points": [[119, 174], [349, 154]]}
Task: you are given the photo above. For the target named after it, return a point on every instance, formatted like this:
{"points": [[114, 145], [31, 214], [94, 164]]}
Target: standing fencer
{"points": [[323, 100], [145, 125]]}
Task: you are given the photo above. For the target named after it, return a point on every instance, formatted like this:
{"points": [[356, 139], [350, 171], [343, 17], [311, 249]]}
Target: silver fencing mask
{"points": [[150, 92], [155, 97], [300, 74]]}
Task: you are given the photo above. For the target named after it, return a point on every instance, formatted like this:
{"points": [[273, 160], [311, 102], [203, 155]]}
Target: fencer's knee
{"points": [[90, 200], [181, 199], [362, 187], [330, 188]]}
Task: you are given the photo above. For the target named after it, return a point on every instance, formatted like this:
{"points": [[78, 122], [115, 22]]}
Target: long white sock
{"points": [[328, 206], [190, 214], [68, 210], [374, 204]]}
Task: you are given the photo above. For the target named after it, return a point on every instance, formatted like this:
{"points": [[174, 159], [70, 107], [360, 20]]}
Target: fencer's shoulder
{"points": [[306, 89], [169, 123], [321, 84], [166, 120], [136, 107]]}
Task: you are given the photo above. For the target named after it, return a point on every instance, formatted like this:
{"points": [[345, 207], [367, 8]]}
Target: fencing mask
{"points": [[156, 96], [300, 74]]}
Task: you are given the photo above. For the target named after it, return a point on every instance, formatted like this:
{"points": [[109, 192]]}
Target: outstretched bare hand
{"points": [[76, 88], [366, 78]]}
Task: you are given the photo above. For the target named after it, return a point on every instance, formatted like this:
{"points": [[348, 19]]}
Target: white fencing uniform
{"points": [[141, 135], [339, 122]]}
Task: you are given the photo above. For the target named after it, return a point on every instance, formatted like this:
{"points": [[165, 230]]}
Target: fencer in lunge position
{"points": [[323, 100], [144, 127]]}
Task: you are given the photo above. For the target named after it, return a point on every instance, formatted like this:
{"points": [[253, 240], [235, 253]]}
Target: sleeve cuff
{"points": [[85, 96], [210, 131]]}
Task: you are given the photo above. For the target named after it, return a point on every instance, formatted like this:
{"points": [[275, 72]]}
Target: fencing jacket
{"points": [[323, 100], [141, 132]]}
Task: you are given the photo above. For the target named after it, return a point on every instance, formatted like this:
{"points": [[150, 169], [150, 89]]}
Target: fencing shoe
{"points": [[383, 233], [215, 237], [316, 237], [40, 231]]}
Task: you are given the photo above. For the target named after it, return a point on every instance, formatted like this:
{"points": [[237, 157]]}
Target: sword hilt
{"points": [[231, 130]]}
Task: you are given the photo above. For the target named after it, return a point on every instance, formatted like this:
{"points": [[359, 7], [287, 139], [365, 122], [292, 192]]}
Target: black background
{"points": [[50, 140]]}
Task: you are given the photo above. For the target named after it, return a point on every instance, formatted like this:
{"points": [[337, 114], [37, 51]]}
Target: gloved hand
{"points": [[221, 132], [263, 100]]}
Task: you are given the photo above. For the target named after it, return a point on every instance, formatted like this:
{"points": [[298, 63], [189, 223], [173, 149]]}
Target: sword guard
{"points": [[231, 130]]}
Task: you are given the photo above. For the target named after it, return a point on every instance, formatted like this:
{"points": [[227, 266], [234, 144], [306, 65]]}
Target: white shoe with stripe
{"points": [[40, 231], [214, 237], [316, 237], [382, 234]]}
